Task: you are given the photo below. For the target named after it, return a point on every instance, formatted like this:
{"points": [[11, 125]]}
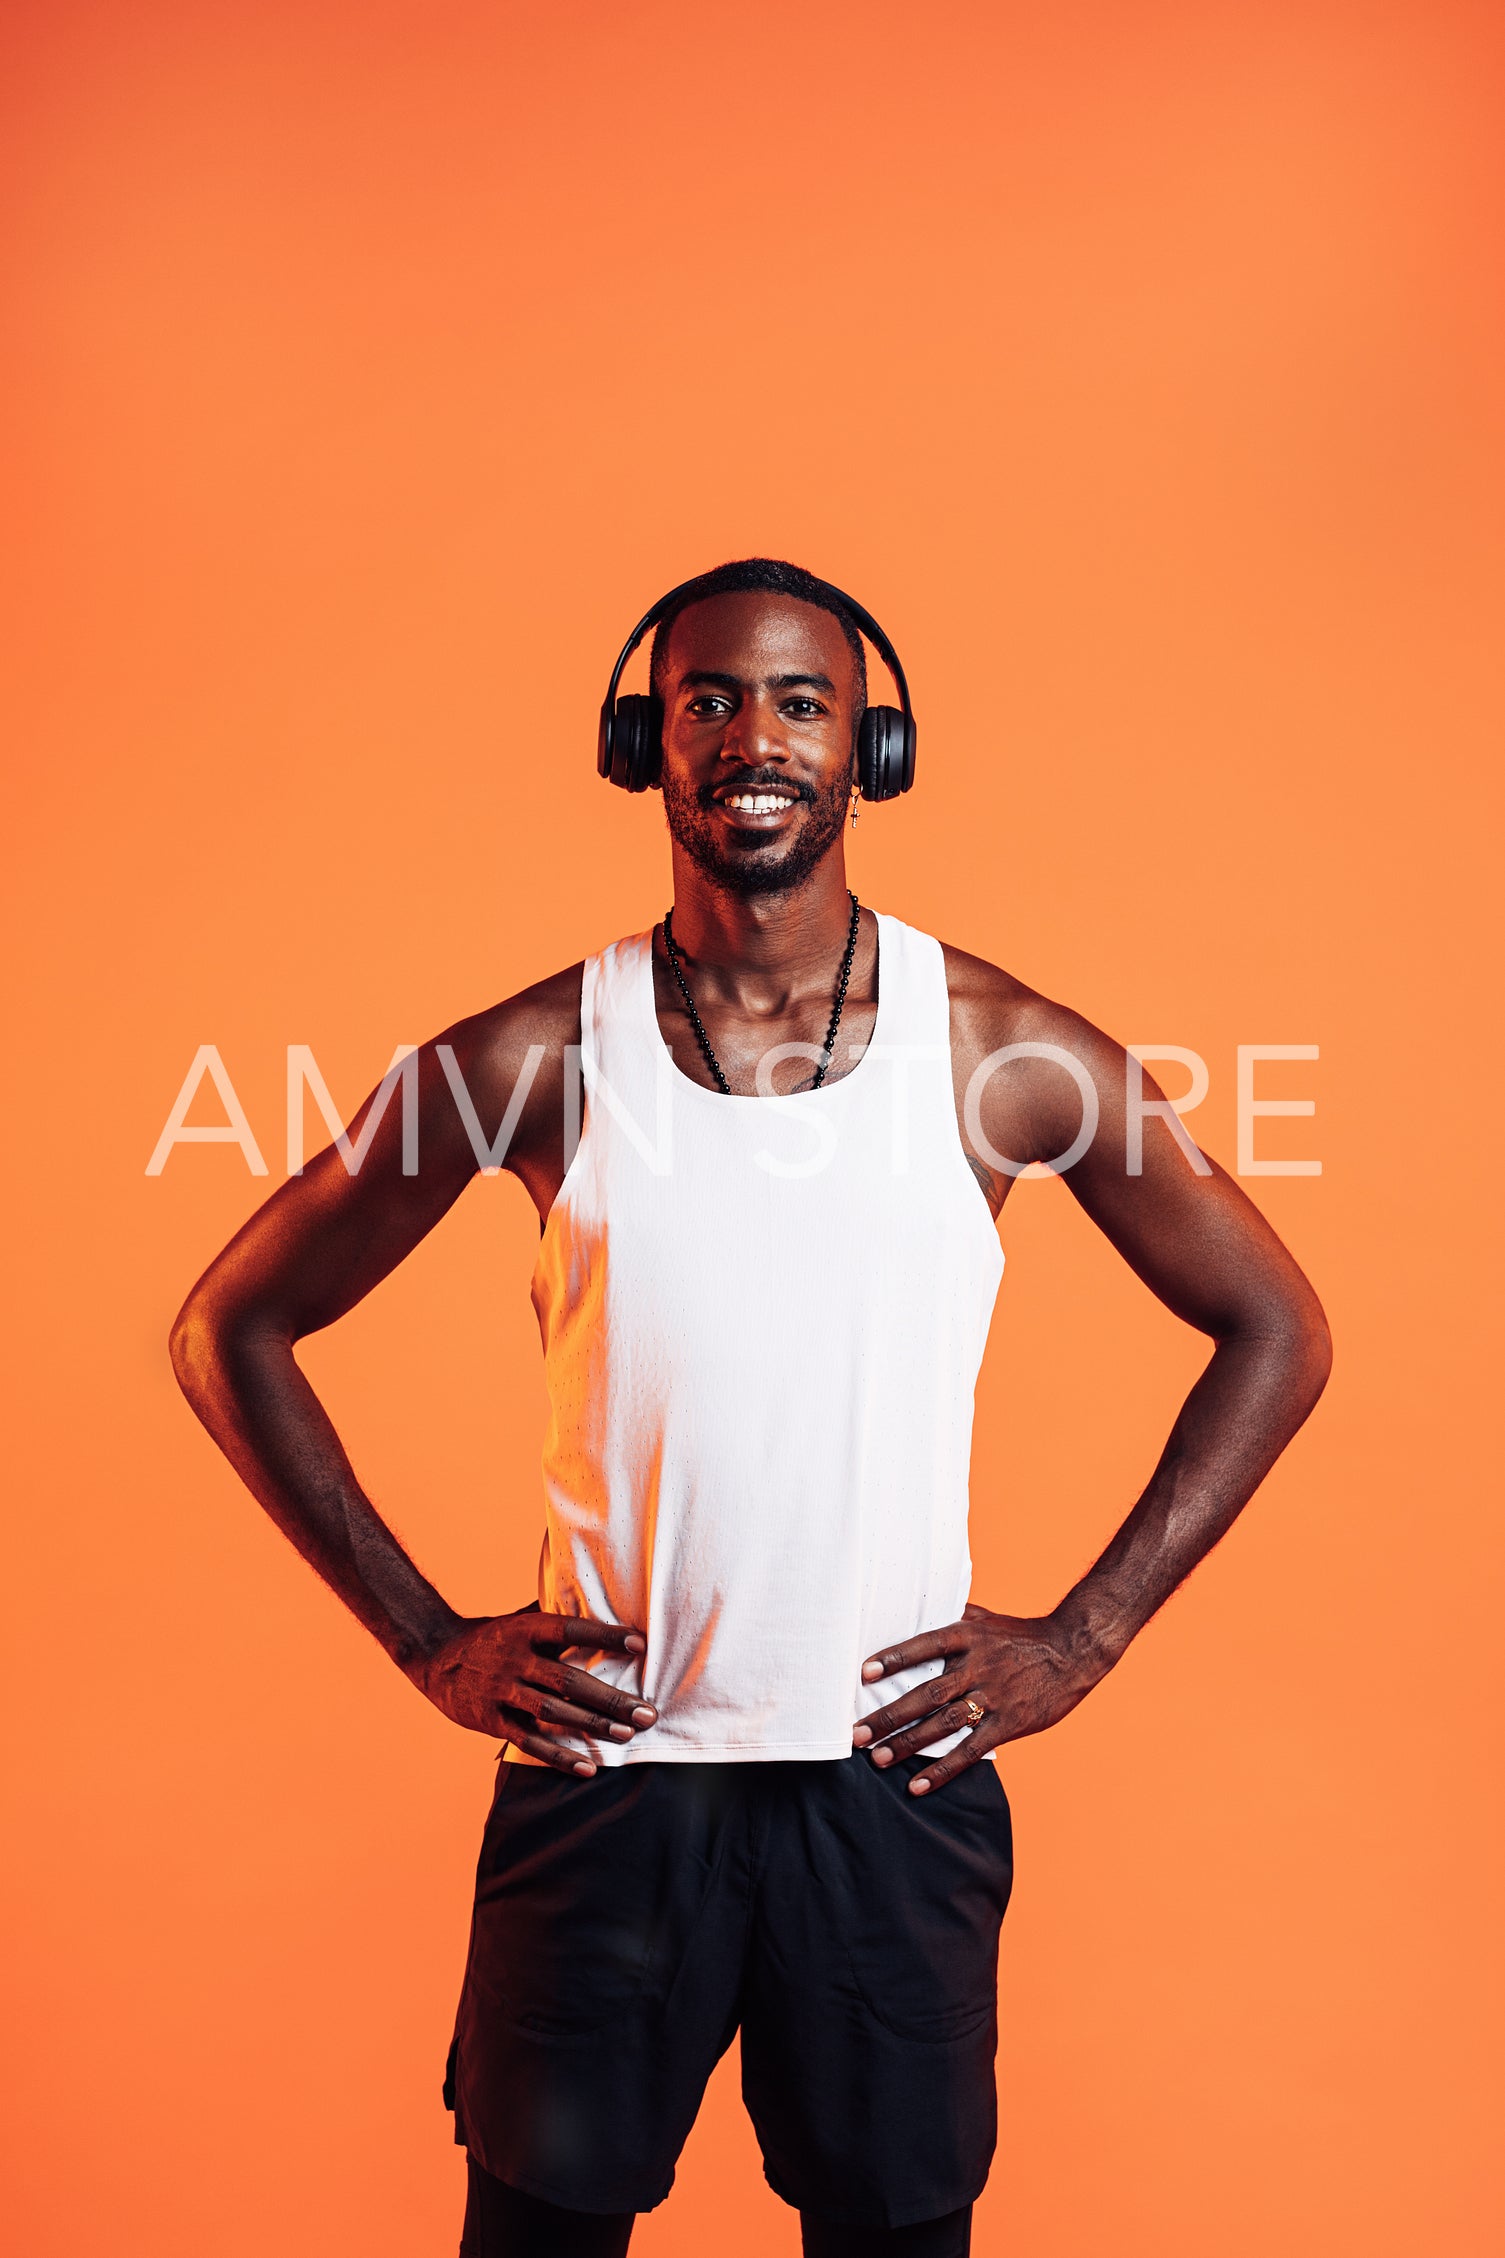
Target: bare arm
{"points": [[317, 1247], [1207, 1253]]}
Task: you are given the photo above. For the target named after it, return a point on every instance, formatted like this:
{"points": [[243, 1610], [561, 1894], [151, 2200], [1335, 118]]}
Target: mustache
{"points": [[751, 781]]}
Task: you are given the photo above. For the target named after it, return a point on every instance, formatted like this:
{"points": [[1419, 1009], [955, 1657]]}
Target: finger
{"points": [[552, 1753], [584, 1630], [952, 1638], [539, 1713], [967, 1752], [956, 1717], [593, 1694], [918, 1702], [552, 1711]]}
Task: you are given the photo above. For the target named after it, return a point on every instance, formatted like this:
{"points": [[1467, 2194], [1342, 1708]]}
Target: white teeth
{"points": [[759, 803]]}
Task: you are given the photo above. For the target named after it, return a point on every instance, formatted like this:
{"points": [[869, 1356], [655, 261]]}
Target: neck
{"points": [[777, 937]]}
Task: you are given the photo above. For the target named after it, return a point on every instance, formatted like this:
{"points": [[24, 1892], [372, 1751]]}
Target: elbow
{"points": [[1288, 1335], [1321, 1349], [218, 1340], [192, 1346], [201, 1341], [1310, 1351]]}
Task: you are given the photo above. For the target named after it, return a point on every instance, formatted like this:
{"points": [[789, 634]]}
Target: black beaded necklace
{"points": [[828, 1047]]}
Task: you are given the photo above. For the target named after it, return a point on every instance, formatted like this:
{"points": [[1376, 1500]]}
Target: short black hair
{"points": [[778, 579]]}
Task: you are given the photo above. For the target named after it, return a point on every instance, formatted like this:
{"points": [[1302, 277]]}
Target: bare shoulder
{"points": [[977, 987], [991, 1009], [1033, 1110], [498, 1039], [505, 1066]]}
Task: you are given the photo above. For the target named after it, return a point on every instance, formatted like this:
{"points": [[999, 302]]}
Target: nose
{"points": [[753, 735]]}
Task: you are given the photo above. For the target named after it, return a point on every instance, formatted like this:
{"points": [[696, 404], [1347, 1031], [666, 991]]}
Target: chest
{"points": [[765, 1049]]}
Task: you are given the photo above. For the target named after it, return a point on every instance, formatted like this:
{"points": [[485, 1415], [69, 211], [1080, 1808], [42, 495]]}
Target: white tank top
{"points": [[762, 1321]]}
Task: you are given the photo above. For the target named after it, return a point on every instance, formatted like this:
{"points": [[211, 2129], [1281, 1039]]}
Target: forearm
{"points": [[1251, 1399], [245, 1384]]}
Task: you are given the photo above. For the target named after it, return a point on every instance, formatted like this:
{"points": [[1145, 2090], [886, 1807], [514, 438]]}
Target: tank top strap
{"points": [[613, 1024], [590, 984], [914, 1001]]}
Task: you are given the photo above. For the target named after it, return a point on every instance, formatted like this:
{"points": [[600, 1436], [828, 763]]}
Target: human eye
{"points": [[709, 704], [803, 709]]}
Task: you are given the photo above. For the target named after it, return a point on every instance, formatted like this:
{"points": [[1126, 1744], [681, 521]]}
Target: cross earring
{"points": [[856, 803]]}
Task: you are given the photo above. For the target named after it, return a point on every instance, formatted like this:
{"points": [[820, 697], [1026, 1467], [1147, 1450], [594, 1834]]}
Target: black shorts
{"points": [[626, 1926]]}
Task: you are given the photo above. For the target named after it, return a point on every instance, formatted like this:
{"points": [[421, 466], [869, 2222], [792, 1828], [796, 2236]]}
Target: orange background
{"points": [[371, 368]]}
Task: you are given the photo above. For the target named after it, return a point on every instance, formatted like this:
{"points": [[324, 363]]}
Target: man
{"points": [[745, 1718]]}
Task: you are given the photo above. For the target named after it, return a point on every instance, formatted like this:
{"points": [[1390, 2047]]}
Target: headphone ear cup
{"points": [[633, 747], [885, 753]]}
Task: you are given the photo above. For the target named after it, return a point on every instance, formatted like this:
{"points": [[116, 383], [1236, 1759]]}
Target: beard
{"points": [[755, 862]]}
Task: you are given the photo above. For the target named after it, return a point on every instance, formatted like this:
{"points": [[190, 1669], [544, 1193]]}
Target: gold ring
{"points": [[973, 1711]]}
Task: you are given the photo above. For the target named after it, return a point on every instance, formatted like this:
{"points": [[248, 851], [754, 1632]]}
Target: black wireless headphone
{"points": [[630, 748]]}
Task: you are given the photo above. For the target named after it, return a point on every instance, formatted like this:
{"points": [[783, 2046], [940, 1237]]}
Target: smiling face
{"points": [[759, 696]]}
